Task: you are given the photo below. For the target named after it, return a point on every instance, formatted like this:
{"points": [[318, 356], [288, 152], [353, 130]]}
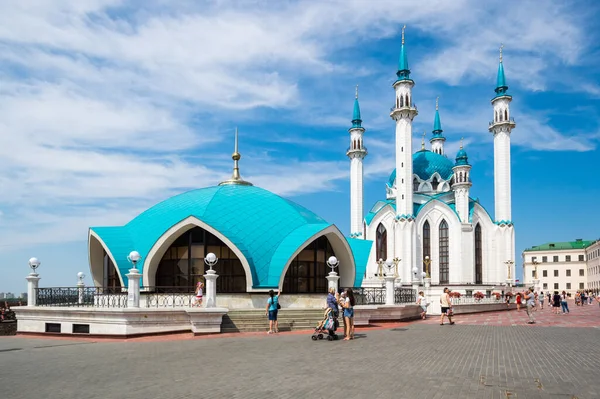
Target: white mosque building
{"points": [[428, 222]]}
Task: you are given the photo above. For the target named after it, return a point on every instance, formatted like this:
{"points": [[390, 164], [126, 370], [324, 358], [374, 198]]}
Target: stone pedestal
{"points": [[333, 281], [427, 282], [133, 288], [508, 284], [211, 288], [536, 285], [389, 289], [80, 286], [32, 285], [415, 287]]}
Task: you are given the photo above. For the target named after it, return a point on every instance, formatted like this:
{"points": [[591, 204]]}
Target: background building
{"points": [[593, 266], [560, 266]]}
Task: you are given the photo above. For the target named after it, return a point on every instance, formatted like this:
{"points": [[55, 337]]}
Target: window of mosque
{"points": [[381, 242], [415, 184], [478, 255], [426, 242], [307, 272], [434, 184], [110, 276], [182, 265], [444, 261]]}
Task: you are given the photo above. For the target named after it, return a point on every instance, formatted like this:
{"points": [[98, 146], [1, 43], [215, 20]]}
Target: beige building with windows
{"points": [[561, 266], [593, 266]]}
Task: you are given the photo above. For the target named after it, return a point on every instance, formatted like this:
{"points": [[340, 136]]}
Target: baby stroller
{"points": [[328, 325]]}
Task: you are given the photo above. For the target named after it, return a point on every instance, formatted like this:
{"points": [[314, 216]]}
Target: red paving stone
{"points": [[579, 316]]}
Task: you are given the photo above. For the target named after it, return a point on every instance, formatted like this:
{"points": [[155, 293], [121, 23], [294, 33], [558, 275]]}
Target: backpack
{"points": [[273, 300]]}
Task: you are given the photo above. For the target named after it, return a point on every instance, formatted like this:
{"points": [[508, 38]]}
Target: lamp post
{"points": [[211, 280], [80, 287], [389, 281], [33, 280], [536, 280], [427, 263], [509, 264], [333, 277], [133, 280]]}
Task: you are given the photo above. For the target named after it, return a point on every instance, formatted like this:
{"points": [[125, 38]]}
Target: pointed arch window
{"points": [[381, 242], [478, 255], [415, 184], [434, 184], [426, 242], [444, 260], [505, 114]]}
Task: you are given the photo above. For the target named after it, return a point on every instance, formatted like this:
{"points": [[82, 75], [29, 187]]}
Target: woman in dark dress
{"points": [[556, 302]]}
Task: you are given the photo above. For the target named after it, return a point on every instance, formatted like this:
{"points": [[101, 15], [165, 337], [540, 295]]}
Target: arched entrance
{"points": [[182, 264], [307, 272]]}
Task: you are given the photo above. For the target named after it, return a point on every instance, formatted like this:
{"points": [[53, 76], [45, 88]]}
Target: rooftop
{"points": [[561, 246]]}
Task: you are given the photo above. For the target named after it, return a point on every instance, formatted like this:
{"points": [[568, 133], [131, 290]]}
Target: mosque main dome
{"points": [[425, 164]]}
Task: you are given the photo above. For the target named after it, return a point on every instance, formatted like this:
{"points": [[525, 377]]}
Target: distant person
{"points": [[541, 299], [199, 287], [348, 305], [530, 302], [518, 301], [446, 304], [563, 302], [272, 308], [556, 299], [422, 302]]}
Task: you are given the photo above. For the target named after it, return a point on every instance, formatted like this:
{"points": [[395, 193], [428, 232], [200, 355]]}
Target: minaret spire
{"points": [[356, 152], [236, 156], [403, 71], [438, 139], [501, 87]]}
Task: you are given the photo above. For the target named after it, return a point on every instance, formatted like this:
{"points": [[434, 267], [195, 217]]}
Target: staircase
{"points": [[255, 320]]}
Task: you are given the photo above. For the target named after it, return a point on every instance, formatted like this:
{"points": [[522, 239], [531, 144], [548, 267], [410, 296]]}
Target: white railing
{"points": [[475, 301]]}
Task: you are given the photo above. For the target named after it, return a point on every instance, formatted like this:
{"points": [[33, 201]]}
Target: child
{"points": [[199, 287]]}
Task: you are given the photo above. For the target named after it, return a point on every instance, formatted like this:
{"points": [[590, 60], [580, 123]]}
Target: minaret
{"points": [[235, 177], [437, 141], [356, 152], [462, 184], [403, 113], [501, 128]]}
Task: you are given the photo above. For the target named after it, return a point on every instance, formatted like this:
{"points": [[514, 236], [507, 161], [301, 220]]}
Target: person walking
{"points": [[530, 302], [332, 303], [518, 301], [556, 300], [541, 299], [422, 302], [271, 310], [563, 302], [446, 303], [348, 306]]}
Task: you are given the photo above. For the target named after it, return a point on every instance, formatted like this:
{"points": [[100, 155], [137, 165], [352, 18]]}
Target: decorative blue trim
{"points": [[502, 223], [356, 235], [408, 217]]}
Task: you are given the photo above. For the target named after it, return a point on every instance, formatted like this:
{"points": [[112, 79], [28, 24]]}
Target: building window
{"points": [[581, 258], [182, 265], [556, 273], [415, 185], [533, 258], [444, 261], [478, 255], [111, 280], [568, 286], [582, 272], [545, 273], [555, 286], [307, 271], [426, 242], [568, 258], [568, 272], [434, 184], [581, 286], [545, 286], [544, 259], [555, 259], [381, 242]]}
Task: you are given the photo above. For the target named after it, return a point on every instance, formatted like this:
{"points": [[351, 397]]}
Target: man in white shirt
{"points": [[446, 306]]}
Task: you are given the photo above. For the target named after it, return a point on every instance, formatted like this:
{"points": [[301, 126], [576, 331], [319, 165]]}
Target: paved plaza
{"points": [[494, 355]]}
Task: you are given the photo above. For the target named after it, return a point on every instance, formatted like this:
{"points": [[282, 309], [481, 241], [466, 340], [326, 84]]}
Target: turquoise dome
{"points": [[425, 164], [461, 157], [265, 227]]}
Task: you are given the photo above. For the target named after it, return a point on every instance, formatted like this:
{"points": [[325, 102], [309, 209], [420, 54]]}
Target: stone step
{"points": [[289, 320]]}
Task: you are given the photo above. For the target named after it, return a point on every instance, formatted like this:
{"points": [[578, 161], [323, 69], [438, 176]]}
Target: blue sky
{"points": [[109, 106]]}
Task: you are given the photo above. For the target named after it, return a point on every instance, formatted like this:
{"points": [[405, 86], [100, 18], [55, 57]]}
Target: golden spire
{"points": [[235, 177], [461, 142], [437, 103], [356, 95], [423, 141], [501, 47], [403, 28]]}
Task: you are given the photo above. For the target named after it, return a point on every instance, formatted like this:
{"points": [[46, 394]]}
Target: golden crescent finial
{"points": [[356, 95], [403, 28], [437, 103], [501, 47]]}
